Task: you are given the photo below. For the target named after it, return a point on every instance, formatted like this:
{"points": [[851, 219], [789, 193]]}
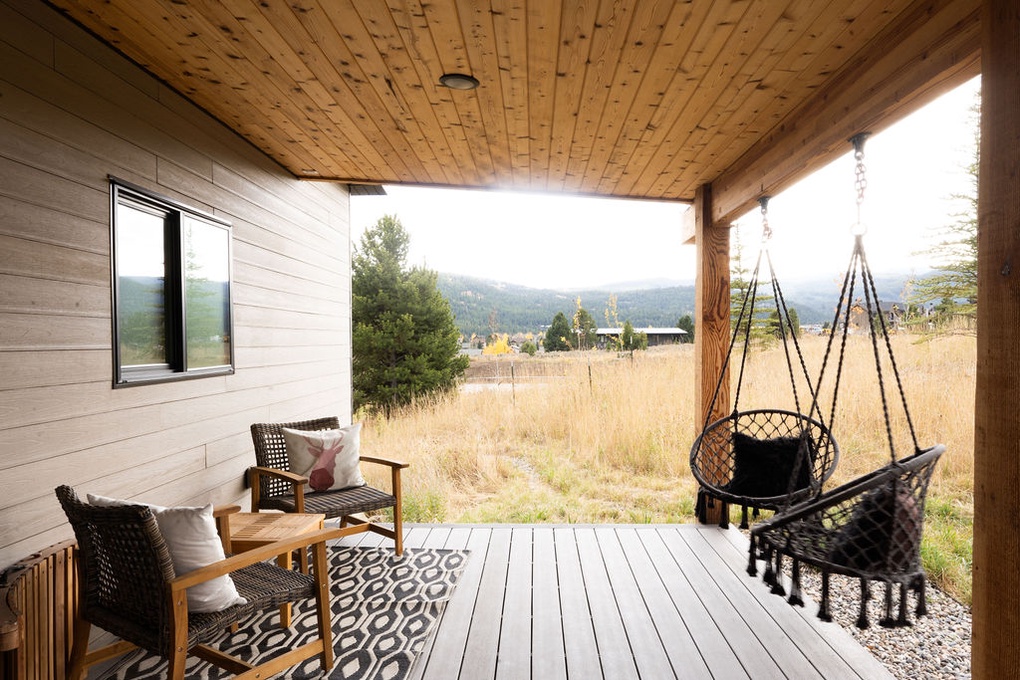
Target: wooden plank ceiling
{"points": [[627, 98]]}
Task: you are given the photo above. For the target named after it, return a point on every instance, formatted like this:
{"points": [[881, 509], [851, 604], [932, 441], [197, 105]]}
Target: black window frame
{"points": [[175, 214]]}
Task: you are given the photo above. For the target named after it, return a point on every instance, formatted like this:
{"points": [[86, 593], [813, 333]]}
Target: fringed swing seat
{"points": [[762, 458], [869, 528]]}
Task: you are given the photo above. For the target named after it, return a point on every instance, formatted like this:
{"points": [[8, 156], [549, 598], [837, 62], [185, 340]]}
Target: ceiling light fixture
{"points": [[458, 81]]}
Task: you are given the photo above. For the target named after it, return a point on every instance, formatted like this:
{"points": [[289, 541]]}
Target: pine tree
{"points": [[686, 323], [557, 337], [758, 317], [405, 342], [952, 290]]}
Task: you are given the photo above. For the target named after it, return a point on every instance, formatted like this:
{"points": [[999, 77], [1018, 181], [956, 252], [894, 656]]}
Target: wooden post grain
{"points": [[712, 310], [996, 614]]}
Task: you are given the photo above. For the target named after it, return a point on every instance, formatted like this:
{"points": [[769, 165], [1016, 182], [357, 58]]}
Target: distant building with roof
{"points": [[656, 336]]}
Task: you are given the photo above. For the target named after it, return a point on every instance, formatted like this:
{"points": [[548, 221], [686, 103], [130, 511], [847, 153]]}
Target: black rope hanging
{"points": [[762, 458], [869, 528]]}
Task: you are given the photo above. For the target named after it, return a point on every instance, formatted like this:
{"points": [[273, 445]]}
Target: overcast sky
{"points": [[555, 241]]}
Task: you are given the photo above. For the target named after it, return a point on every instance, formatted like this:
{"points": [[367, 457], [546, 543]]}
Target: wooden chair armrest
{"points": [[384, 461], [249, 557], [285, 475], [221, 515], [225, 510]]}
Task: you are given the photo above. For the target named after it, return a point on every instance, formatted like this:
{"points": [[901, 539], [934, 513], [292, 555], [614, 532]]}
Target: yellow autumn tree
{"points": [[500, 346]]}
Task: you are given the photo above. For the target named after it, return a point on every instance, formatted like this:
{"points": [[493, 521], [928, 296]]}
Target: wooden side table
{"points": [[248, 530]]}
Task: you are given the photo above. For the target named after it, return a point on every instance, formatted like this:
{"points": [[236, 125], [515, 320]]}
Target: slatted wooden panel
{"points": [[630, 98], [37, 601]]}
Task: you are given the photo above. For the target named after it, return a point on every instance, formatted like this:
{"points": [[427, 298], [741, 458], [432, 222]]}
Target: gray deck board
{"points": [[515, 638], [683, 653], [582, 651], [548, 655], [620, 601]]}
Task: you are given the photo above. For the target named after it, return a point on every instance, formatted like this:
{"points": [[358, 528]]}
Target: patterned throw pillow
{"points": [[190, 536], [329, 458]]}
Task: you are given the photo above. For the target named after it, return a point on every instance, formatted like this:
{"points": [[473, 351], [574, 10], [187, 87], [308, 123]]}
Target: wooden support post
{"points": [[712, 330], [996, 613]]}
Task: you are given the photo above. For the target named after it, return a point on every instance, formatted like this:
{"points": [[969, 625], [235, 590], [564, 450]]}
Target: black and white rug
{"points": [[384, 609]]}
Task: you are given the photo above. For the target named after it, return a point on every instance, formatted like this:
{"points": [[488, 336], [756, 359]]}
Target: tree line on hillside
{"points": [[521, 309]]}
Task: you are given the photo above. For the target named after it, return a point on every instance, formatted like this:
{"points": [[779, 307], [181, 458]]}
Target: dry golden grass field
{"points": [[599, 438]]}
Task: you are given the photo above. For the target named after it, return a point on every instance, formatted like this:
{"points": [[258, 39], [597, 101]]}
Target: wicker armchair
{"points": [[275, 487], [127, 586]]}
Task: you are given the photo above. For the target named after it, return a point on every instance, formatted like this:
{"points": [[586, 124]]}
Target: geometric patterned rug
{"points": [[384, 609]]}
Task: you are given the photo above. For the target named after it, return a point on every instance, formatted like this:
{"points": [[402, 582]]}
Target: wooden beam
{"points": [[931, 48], [712, 325], [996, 614]]}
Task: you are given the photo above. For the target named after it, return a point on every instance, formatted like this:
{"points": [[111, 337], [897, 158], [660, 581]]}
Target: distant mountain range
{"points": [[643, 303]]}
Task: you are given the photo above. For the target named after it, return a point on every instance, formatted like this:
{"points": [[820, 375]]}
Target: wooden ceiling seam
{"points": [[850, 15], [474, 21], [745, 40], [509, 25], [643, 36], [363, 103], [715, 27], [574, 51], [752, 28], [272, 59], [451, 47], [424, 56], [410, 104], [659, 73], [672, 94], [542, 81], [606, 39], [755, 92]]}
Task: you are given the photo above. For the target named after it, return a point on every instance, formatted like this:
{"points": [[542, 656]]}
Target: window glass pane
{"points": [[141, 285], [206, 293]]}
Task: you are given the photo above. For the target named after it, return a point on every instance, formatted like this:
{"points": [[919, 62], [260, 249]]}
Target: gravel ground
{"points": [[936, 646]]}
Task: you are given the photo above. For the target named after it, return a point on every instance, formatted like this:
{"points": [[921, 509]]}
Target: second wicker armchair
{"points": [[274, 486]]}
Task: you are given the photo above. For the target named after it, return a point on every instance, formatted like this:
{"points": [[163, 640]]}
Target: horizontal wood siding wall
{"points": [[72, 112]]}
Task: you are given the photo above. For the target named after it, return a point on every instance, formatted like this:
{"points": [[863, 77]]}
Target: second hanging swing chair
{"points": [[765, 458], [869, 528]]}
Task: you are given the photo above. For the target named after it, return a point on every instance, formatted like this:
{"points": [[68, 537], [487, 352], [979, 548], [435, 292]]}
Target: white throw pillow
{"points": [[190, 535], [329, 458]]}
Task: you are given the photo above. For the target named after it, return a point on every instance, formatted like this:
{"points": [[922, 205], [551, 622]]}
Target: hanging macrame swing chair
{"points": [[869, 528], [763, 459]]}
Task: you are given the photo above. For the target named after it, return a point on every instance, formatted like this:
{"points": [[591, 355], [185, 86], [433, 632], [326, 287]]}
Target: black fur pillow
{"points": [[883, 533], [763, 467]]}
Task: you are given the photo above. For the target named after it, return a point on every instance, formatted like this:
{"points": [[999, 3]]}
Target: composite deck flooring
{"points": [[621, 602]]}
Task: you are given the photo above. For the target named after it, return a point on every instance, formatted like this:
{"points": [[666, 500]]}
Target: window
{"points": [[171, 289]]}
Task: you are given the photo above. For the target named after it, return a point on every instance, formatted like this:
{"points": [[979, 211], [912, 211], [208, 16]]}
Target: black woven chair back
{"points": [[764, 459], [271, 449], [124, 565], [869, 528]]}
